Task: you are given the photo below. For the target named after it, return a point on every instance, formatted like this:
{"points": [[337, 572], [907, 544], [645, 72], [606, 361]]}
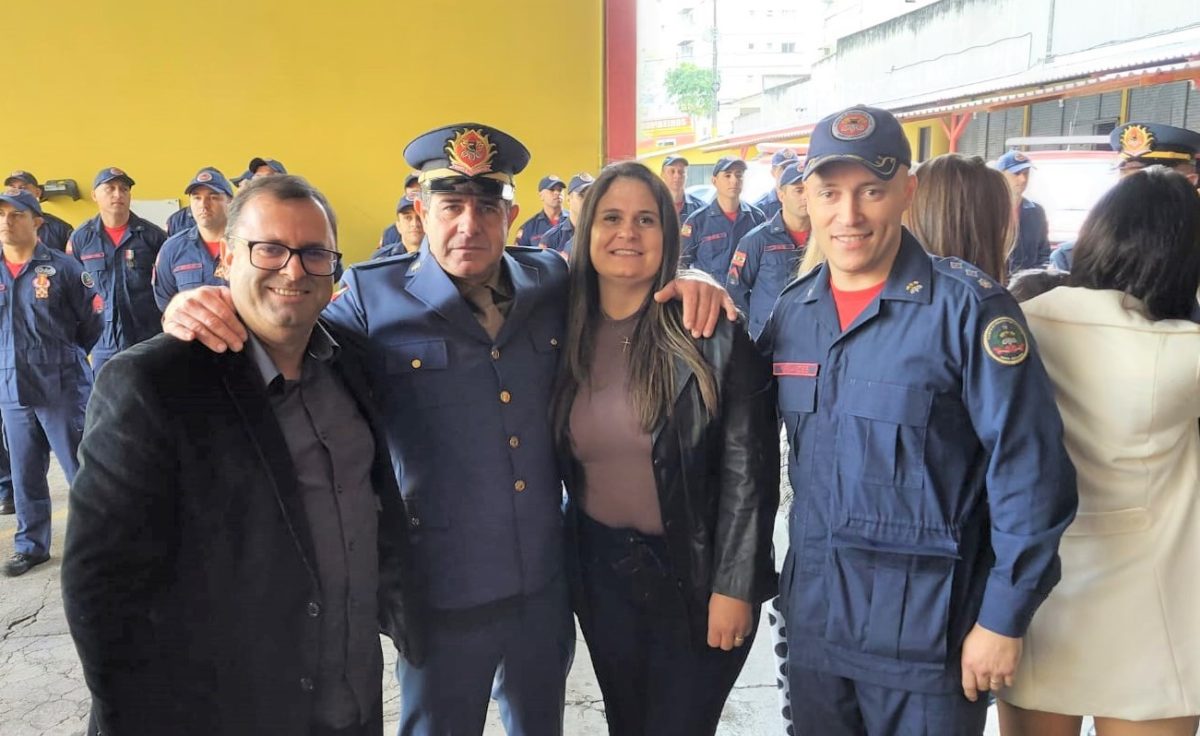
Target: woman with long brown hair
{"points": [[961, 209], [670, 452]]}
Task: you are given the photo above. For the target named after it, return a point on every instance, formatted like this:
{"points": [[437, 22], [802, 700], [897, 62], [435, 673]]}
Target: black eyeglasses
{"points": [[275, 256]]}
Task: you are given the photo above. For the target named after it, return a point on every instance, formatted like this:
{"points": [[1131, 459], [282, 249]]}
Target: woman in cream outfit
{"points": [[1119, 637]]}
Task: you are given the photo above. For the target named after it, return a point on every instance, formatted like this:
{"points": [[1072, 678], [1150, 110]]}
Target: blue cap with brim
{"points": [[211, 178], [259, 161], [1013, 162], [108, 174], [782, 157], [674, 160], [22, 200], [727, 162], [580, 181], [1155, 143], [793, 173], [868, 136], [550, 182], [406, 203], [468, 158]]}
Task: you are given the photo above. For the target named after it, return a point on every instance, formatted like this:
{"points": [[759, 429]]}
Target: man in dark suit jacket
{"points": [[236, 536]]}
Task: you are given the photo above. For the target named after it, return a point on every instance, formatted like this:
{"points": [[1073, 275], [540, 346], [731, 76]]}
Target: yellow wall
{"points": [[333, 90]]}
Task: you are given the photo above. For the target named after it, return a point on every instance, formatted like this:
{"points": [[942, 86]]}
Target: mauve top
{"points": [[608, 441]]}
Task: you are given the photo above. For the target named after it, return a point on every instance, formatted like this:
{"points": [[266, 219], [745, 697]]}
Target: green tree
{"points": [[691, 89]]}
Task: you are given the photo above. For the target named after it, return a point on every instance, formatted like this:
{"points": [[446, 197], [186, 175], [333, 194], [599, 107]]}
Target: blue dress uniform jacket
{"points": [[765, 261], [930, 477], [709, 238], [531, 232], [180, 220], [122, 272], [769, 204], [1032, 249], [184, 263], [54, 232], [470, 431], [48, 322]]}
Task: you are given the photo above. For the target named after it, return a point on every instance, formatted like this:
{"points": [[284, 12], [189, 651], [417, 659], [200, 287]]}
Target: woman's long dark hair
{"points": [[658, 338], [1143, 238]]}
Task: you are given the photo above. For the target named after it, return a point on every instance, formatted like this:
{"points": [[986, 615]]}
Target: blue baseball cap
{"points": [[674, 160], [213, 179], [1013, 162], [793, 173], [477, 157], [782, 157], [258, 161], [580, 181], [868, 136], [405, 203], [550, 181], [22, 200], [727, 162], [108, 174], [410, 180], [24, 176]]}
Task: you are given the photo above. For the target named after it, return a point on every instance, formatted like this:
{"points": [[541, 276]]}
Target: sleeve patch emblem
{"points": [[1005, 342]]}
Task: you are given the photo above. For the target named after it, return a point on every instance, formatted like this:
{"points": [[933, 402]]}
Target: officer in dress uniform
{"points": [[711, 233], [769, 202], [931, 482], [193, 257], [674, 175], [1032, 246], [561, 237], [50, 316], [118, 250], [410, 227], [770, 254], [550, 189], [1139, 145], [54, 232], [392, 233], [467, 337]]}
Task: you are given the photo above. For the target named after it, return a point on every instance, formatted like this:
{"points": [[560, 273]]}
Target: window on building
{"points": [[788, 48], [686, 50], [924, 143]]}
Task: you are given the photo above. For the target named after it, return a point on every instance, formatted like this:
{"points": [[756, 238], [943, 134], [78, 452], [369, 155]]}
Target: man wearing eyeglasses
{"points": [[236, 538]]}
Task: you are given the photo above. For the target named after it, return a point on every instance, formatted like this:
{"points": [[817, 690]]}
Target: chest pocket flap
{"points": [[881, 438], [416, 356]]}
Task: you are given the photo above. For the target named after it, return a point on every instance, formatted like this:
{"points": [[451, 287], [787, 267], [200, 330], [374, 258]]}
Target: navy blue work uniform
{"points": [[931, 490], [766, 260], [180, 220], [50, 317], [184, 262], [474, 458], [531, 232], [691, 203], [769, 204], [560, 237], [122, 272], [709, 237], [54, 232], [1032, 249], [389, 236]]}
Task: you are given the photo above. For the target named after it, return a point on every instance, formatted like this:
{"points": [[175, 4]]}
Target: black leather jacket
{"points": [[717, 479]]}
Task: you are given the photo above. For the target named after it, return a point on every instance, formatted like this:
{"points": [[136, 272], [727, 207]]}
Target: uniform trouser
{"points": [[6, 486], [828, 705], [32, 432], [100, 356], [523, 645], [657, 680]]}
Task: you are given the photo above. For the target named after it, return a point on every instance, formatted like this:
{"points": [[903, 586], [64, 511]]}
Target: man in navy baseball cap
{"points": [[1032, 246], [22, 201], [550, 189], [769, 202], [674, 175]]}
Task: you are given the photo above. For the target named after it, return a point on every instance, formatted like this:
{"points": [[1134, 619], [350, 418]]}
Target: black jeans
{"points": [[655, 678]]}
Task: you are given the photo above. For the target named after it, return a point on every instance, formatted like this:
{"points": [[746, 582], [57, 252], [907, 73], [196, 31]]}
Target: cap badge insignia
{"points": [[1005, 342], [470, 152], [853, 125], [913, 287], [204, 176], [1020, 157], [116, 172], [18, 172], [1137, 140]]}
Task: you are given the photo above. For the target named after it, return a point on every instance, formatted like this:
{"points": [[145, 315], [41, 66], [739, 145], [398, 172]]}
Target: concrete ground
{"points": [[42, 690]]}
